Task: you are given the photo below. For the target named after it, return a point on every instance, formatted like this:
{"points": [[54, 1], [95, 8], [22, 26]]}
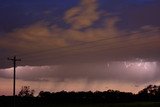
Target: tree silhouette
{"points": [[25, 97], [26, 92], [150, 90]]}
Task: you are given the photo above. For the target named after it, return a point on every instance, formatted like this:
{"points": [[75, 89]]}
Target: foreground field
{"points": [[137, 104]]}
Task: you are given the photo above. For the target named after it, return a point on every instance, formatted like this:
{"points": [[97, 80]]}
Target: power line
{"points": [[108, 50], [64, 51], [121, 41], [82, 44], [86, 45]]}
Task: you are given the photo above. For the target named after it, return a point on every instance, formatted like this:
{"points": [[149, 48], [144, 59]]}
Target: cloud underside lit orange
{"points": [[117, 44]]}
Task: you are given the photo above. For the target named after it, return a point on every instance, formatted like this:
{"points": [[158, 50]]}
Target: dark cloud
{"points": [[136, 16], [117, 45], [137, 45], [20, 13]]}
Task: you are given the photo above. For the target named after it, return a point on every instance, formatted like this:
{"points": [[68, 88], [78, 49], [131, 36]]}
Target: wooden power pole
{"points": [[14, 59]]}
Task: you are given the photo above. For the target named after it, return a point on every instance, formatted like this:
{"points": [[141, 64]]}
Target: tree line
{"points": [[26, 96]]}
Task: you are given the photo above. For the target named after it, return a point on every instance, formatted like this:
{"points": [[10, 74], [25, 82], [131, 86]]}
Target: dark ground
{"points": [[133, 104]]}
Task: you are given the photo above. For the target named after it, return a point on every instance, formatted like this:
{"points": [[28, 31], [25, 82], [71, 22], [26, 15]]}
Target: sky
{"points": [[80, 45]]}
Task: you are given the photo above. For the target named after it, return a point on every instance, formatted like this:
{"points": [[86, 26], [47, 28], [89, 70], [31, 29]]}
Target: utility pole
{"points": [[14, 59]]}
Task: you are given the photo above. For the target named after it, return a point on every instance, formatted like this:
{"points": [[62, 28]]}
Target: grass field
{"points": [[136, 104]]}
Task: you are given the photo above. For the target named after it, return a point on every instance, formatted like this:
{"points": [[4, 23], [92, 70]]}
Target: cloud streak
{"points": [[137, 72]]}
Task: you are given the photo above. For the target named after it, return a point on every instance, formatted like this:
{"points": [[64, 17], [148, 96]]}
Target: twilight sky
{"points": [[80, 45]]}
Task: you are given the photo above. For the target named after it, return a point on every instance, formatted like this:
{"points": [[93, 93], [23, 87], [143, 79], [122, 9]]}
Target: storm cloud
{"points": [[88, 45], [52, 42]]}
